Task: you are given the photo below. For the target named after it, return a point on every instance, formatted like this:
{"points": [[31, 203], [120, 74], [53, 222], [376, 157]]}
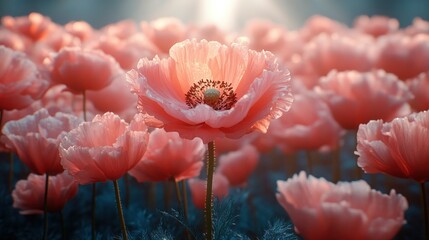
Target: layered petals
{"points": [[104, 149], [35, 139], [21, 83], [82, 70], [169, 157], [356, 97], [320, 209], [397, 148], [29, 194]]}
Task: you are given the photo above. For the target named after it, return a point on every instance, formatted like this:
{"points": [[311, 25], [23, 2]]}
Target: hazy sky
{"points": [[228, 14]]}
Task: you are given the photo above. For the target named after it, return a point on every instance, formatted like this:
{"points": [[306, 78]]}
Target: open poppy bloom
{"points": [[208, 90], [347, 210], [104, 149]]}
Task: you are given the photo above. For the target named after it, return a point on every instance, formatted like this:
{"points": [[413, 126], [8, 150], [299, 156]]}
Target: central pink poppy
{"points": [[209, 90]]}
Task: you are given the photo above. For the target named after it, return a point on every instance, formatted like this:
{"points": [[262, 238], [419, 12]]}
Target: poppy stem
{"points": [[45, 209], [425, 209], [209, 191], [185, 200], [121, 214], [178, 195], [181, 206], [11, 171], [63, 227], [93, 204]]}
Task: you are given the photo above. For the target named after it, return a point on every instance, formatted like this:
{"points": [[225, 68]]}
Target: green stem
{"points": [[209, 191], [11, 171], [45, 209], [63, 227], [425, 209], [121, 214], [93, 204]]}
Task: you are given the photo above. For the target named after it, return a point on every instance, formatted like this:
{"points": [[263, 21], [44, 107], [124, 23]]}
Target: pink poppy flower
{"points": [[356, 98], [419, 87], [317, 24], [13, 40], [376, 25], [20, 81], [208, 90], [198, 189], [35, 139], [34, 26], [266, 35], [210, 32], [126, 51], [238, 165], [28, 194], [347, 210], [164, 32], [418, 26], [170, 157], [82, 70], [104, 149], [122, 29], [115, 98], [340, 52], [309, 125], [398, 148], [80, 29], [405, 56]]}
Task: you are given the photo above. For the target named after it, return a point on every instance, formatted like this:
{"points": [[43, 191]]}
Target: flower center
{"points": [[217, 94]]}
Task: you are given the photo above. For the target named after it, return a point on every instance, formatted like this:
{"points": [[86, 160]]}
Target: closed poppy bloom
{"points": [[356, 97], [403, 55], [103, 149], [238, 165], [35, 139], [29, 194], [208, 90], [164, 32], [20, 81], [419, 87], [309, 125], [34, 26], [376, 25], [198, 189], [347, 210], [168, 157], [82, 70], [398, 148]]}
